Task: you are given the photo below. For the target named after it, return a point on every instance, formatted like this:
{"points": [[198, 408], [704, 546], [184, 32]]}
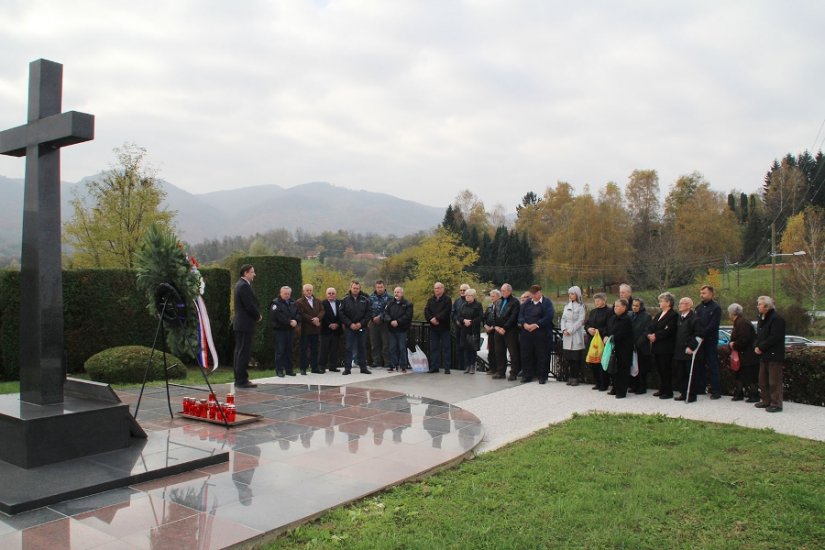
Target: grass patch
{"points": [[193, 378], [602, 481]]}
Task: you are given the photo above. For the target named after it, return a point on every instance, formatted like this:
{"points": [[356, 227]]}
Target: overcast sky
{"points": [[423, 99]]}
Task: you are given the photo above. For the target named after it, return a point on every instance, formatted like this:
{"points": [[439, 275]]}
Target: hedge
{"points": [[127, 365], [102, 308], [271, 273], [803, 375]]}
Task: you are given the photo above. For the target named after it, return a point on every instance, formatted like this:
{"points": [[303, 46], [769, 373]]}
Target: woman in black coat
{"points": [[742, 338], [620, 329], [597, 320], [469, 319], [641, 320], [662, 335]]}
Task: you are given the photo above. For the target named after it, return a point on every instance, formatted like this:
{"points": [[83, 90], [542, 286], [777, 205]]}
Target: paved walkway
{"points": [[328, 439], [509, 410]]}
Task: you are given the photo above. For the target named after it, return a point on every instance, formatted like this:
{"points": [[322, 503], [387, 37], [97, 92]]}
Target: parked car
{"points": [[724, 337], [800, 341]]}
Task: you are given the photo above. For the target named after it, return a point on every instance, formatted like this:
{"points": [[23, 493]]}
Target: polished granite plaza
{"points": [[314, 448]]}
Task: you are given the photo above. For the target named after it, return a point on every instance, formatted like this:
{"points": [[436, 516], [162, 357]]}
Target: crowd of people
{"points": [[615, 347]]}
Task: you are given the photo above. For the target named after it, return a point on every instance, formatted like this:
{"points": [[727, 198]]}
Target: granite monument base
{"points": [[83, 424], [87, 444]]}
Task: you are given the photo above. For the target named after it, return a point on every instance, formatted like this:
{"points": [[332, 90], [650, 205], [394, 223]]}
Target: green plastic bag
{"points": [[608, 353]]}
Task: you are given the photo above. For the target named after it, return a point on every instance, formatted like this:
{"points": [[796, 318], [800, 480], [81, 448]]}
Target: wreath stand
{"points": [[171, 308]]}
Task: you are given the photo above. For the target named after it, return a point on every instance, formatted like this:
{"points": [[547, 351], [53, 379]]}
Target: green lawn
{"points": [[602, 481], [193, 378]]}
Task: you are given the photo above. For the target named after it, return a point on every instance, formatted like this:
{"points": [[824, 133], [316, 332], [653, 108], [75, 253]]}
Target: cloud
{"points": [[423, 99]]}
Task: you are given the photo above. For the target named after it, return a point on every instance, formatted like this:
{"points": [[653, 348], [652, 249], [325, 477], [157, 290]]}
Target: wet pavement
{"points": [[315, 447]]}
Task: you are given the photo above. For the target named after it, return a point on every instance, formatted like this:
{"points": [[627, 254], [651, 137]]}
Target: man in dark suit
{"points": [[689, 333], [770, 347], [536, 320], [247, 316], [331, 331], [506, 334], [312, 312]]}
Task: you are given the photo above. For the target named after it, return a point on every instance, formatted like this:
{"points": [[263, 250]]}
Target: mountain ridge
{"points": [[313, 207]]}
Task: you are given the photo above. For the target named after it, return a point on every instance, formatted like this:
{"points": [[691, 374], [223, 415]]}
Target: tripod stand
{"points": [[171, 308]]}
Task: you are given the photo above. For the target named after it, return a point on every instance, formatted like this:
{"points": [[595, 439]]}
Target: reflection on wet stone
{"points": [[314, 448]]}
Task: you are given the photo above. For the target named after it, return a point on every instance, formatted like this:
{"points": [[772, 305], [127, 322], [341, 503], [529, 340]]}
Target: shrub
{"points": [[102, 308], [803, 375], [797, 320], [127, 365]]}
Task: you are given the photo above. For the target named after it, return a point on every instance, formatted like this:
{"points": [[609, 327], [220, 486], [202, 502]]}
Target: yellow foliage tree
{"points": [[806, 232], [439, 258]]}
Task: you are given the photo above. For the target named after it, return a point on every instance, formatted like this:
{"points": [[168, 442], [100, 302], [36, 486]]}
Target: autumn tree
{"points": [[786, 192], [806, 232], [109, 223], [439, 258]]}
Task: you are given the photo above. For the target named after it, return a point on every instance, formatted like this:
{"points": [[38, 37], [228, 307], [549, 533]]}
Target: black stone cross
{"points": [[42, 369]]}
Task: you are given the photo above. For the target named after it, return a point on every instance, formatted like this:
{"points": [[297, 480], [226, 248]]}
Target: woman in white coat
{"points": [[572, 328]]}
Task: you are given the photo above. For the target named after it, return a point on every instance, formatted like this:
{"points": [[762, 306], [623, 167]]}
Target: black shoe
{"points": [[657, 393], [737, 397], [716, 396], [346, 372], [640, 391], [752, 399], [542, 381], [526, 380], [334, 369], [679, 398], [603, 389], [774, 409], [595, 387], [691, 399], [611, 392], [446, 371], [280, 374], [303, 372], [365, 370], [316, 371], [762, 405], [290, 373], [512, 378], [246, 384], [621, 396], [665, 396]]}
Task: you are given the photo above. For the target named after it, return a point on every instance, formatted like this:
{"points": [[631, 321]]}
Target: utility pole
{"points": [[773, 260]]}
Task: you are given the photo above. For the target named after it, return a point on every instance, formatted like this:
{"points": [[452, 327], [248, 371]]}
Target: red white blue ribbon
{"points": [[206, 346]]}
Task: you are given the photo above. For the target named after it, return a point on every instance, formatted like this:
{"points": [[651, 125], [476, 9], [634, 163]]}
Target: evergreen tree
{"points": [[743, 208]]}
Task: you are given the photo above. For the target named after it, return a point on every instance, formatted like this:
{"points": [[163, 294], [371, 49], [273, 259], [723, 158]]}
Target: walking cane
{"points": [[692, 362]]}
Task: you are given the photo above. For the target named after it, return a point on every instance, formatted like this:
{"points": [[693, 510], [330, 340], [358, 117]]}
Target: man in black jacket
{"points": [[490, 329], [246, 316], [770, 347], [506, 334], [711, 314], [331, 332], [284, 317], [355, 314], [397, 317], [689, 332], [437, 313]]}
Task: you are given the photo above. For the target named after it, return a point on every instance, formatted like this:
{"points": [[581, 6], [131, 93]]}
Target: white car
{"points": [[800, 341]]}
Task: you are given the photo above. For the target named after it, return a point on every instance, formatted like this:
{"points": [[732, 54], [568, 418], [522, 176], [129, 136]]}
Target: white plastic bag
{"points": [[634, 366], [418, 360]]}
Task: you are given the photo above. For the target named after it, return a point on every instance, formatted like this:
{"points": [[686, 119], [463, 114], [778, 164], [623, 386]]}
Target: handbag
{"points": [[596, 349], [472, 341], [735, 361]]}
